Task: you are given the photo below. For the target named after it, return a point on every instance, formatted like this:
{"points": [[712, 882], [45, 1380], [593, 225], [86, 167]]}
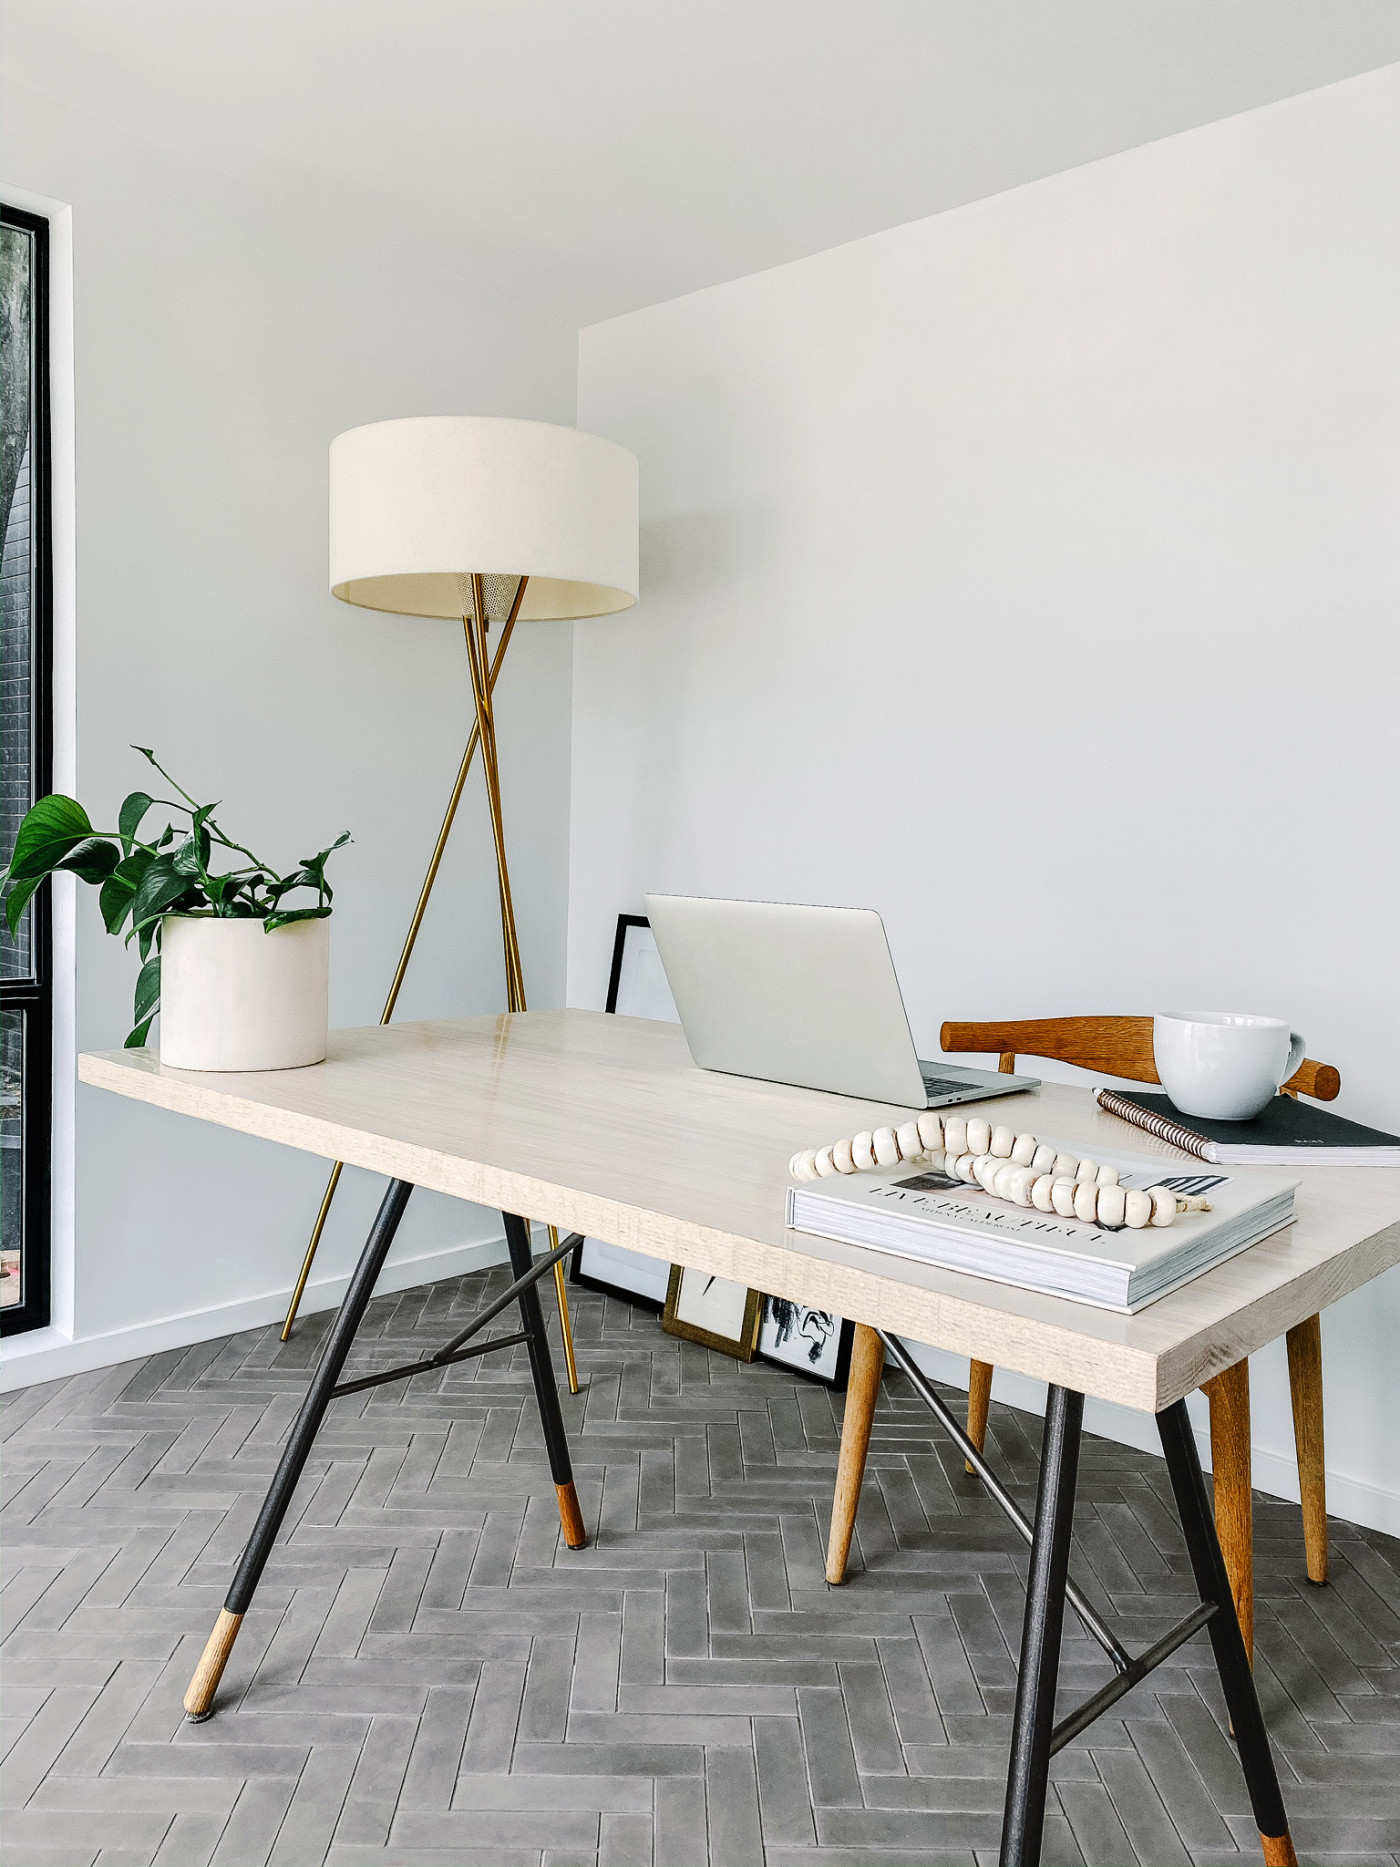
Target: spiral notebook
{"points": [[1286, 1133]]}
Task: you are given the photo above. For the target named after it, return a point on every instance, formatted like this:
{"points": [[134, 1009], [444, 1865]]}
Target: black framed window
{"points": [[26, 972]]}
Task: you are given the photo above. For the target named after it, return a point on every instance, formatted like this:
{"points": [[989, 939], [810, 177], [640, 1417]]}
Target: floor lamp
{"points": [[489, 522]]}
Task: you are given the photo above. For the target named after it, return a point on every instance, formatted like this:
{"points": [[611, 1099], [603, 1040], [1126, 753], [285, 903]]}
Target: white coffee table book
{"points": [[933, 1216]]}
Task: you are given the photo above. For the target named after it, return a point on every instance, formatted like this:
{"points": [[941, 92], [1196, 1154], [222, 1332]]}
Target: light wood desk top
{"points": [[603, 1125]]}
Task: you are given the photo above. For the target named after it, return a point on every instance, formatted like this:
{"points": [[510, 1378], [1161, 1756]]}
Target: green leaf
{"points": [[92, 861], [186, 860], [119, 889], [294, 914], [159, 890], [18, 900], [147, 991], [50, 829], [129, 818], [138, 1036]]}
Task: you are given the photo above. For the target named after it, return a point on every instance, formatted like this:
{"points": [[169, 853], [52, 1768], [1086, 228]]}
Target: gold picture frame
{"points": [[690, 1312]]}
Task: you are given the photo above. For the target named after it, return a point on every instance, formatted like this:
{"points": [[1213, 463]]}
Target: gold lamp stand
{"points": [[485, 668]]}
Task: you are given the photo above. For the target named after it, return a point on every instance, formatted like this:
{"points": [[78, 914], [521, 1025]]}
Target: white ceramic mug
{"points": [[1224, 1065]]}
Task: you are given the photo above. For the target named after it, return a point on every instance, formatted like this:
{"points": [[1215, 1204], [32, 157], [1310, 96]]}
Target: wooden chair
{"points": [[1116, 1046]]}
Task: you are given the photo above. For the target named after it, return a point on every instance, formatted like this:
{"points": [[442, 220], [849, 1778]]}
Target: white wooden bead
{"points": [[1062, 1197], [954, 1136], [907, 1135], [1002, 1175], [1086, 1200], [1087, 1170], [804, 1165], [1044, 1161], [1002, 1142], [1042, 1188], [987, 1167], [862, 1152], [1066, 1166], [1024, 1149], [930, 1131], [885, 1146], [938, 1161], [1019, 1183], [842, 1155], [1112, 1204], [826, 1166], [1163, 1205], [962, 1166], [1107, 1176], [979, 1136], [1137, 1209]]}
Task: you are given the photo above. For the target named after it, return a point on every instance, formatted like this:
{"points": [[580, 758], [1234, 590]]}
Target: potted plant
{"points": [[238, 976]]}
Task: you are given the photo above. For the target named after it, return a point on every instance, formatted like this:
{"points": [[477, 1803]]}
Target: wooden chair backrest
{"points": [[1110, 1046]]}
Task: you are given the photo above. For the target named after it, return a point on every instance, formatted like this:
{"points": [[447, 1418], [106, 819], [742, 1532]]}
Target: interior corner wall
{"points": [[221, 339], [1030, 573]]}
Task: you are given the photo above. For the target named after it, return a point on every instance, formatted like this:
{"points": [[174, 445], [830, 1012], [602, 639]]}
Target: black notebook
{"points": [[1286, 1132]]}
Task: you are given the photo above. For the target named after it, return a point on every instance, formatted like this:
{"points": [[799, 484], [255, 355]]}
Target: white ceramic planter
{"points": [[235, 998]]}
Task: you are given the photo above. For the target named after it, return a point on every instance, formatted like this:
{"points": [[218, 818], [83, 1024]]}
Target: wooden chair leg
{"points": [[862, 1392], [1228, 1394], [979, 1399], [1305, 1381]]}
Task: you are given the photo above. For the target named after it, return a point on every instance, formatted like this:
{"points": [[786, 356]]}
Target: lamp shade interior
{"points": [[417, 506]]}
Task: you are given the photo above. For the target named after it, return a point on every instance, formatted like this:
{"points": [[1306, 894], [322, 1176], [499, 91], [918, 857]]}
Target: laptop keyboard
{"points": [[944, 1086]]}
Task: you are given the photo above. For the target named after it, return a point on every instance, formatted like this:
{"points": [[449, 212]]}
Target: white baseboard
{"points": [[50, 1355], [1354, 1499]]}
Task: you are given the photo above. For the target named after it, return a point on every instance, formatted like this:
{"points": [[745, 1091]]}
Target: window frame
{"points": [[34, 996]]}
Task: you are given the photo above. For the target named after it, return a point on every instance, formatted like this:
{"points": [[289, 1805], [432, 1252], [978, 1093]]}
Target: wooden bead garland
{"points": [[1011, 1166]]}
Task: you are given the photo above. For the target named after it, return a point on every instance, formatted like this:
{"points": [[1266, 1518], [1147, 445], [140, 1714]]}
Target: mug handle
{"points": [[1296, 1048]]}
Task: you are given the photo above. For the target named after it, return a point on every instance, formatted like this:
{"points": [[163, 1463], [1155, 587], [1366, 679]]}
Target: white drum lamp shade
{"points": [[419, 506]]}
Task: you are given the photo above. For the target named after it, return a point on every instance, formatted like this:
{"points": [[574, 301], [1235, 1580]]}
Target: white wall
{"points": [[221, 338], [1030, 573]]}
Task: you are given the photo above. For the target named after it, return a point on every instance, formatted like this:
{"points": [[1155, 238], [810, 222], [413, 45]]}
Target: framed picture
{"points": [[637, 984], [713, 1312], [806, 1341], [637, 988]]}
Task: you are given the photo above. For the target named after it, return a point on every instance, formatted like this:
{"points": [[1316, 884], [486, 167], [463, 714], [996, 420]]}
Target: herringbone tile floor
{"points": [[427, 1675]]}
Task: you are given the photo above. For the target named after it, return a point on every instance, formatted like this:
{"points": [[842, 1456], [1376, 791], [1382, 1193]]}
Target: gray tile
{"points": [[731, 1801], [831, 1760], [679, 1822]]}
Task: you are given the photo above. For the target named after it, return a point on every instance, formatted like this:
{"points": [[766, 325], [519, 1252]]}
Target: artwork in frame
{"points": [[637, 988], [810, 1342], [713, 1312]]}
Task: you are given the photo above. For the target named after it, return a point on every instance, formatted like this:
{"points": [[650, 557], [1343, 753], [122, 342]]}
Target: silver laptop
{"points": [[801, 995]]}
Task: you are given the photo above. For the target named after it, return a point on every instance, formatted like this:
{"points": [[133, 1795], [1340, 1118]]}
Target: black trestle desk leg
{"points": [[1231, 1660], [204, 1684], [1039, 1672], [546, 1392]]}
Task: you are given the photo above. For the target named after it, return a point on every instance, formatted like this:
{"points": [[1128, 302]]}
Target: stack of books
{"points": [[944, 1221]]}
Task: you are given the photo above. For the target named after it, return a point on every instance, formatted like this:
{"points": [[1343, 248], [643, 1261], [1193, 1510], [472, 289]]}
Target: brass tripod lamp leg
{"points": [[474, 627], [385, 1017]]}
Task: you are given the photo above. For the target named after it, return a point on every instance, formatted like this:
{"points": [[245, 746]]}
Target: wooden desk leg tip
{"points": [[862, 1393], [210, 1670], [979, 1400], [571, 1517], [1278, 1850]]}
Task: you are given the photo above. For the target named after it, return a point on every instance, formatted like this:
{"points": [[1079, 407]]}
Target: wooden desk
{"points": [[602, 1125]]}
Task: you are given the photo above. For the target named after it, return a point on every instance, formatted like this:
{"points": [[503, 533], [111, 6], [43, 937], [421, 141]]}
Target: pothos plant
{"points": [[141, 881]]}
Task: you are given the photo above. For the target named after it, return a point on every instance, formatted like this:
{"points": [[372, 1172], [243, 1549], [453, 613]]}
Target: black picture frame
{"points": [[624, 923], [834, 1367]]}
